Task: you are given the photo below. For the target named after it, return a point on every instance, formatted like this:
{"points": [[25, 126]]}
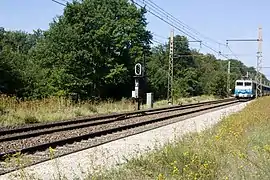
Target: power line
{"points": [[176, 27], [182, 23], [232, 52], [159, 16], [159, 36], [174, 39], [65, 1], [157, 41], [58, 2], [166, 13]]}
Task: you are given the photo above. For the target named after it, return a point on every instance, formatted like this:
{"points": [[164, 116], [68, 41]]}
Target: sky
{"points": [[215, 19]]}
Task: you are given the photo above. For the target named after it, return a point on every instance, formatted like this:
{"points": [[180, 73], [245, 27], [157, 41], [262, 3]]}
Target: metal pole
{"points": [[259, 65], [144, 77], [228, 78], [170, 73], [137, 89]]}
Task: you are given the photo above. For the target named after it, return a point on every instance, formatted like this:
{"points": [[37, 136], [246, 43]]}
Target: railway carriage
{"points": [[247, 89]]}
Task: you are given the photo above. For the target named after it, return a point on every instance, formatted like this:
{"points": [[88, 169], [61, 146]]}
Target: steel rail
{"points": [[83, 124], [88, 124], [101, 117], [71, 140]]}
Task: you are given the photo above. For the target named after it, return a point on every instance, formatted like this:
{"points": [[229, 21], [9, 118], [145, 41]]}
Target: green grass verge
{"points": [[236, 148], [13, 113]]}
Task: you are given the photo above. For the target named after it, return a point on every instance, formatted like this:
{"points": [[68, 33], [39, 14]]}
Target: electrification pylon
{"points": [[259, 65], [228, 77], [170, 73], [258, 77]]}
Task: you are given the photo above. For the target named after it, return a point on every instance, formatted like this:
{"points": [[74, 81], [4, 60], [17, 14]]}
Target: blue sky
{"points": [[219, 20]]}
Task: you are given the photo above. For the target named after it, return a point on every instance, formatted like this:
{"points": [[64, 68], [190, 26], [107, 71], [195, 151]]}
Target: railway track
{"points": [[73, 135]]}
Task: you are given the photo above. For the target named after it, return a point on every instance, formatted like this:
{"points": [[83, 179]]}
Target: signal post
{"points": [[136, 94]]}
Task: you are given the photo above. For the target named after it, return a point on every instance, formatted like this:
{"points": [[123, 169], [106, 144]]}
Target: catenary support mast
{"points": [[259, 64], [259, 61], [228, 77], [170, 73]]}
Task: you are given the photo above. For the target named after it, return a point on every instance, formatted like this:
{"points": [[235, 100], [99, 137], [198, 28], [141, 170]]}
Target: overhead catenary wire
{"points": [[162, 37], [158, 14], [58, 2], [179, 29], [167, 38], [158, 42], [233, 52], [181, 22], [164, 13], [65, 1], [187, 27], [157, 35]]}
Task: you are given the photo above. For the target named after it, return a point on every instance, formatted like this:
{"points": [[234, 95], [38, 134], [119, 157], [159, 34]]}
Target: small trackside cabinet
{"points": [[149, 100], [133, 94]]}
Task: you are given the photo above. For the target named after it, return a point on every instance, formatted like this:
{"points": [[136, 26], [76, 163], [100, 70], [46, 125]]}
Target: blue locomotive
{"points": [[247, 89]]}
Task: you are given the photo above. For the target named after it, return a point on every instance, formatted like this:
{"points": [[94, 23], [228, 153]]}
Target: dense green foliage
{"points": [[91, 50]]}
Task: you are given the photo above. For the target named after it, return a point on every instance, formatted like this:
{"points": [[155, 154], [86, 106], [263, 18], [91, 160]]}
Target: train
{"points": [[246, 89]]}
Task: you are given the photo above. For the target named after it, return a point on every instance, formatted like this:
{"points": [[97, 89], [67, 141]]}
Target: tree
{"points": [[14, 48], [157, 66], [185, 74], [93, 47]]}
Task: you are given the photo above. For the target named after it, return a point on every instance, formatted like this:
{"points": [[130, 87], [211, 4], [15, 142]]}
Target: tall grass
{"points": [[16, 112], [237, 148]]}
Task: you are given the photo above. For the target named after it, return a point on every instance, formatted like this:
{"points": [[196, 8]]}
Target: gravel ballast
{"points": [[18, 144], [117, 151]]}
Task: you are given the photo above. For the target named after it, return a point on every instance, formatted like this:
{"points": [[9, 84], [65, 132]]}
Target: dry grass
{"points": [[14, 112], [237, 148]]}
